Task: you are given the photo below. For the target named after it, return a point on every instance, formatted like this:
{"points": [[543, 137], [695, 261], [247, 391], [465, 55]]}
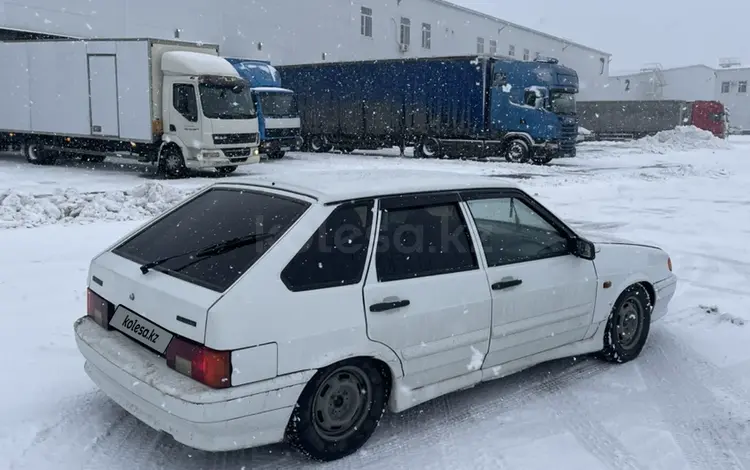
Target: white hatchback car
{"points": [[262, 310]]}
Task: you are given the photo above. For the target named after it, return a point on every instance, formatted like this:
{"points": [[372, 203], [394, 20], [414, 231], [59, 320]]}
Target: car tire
{"points": [[339, 409], [628, 325]]}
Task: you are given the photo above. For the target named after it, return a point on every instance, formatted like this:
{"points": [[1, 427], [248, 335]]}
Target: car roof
{"points": [[332, 186]]}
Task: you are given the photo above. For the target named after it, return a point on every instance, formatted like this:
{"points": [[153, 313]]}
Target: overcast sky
{"points": [[635, 32]]}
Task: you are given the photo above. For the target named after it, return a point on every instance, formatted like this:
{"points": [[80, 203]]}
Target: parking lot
{"points": [[685, 403]]}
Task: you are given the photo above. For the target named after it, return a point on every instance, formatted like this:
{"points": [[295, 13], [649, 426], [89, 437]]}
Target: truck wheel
{"points": [[339, 410], [37, 155], [275, 154], [172, 163], [429, 147], [319, 144], [226, 170], [517, 151]]}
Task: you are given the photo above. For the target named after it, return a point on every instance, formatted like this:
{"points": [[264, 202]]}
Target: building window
{"points": [[366, 22], [426, 35], [742, 88], [480, 45], [512, 50], [493, 47], [405, 36], [725, 87], [526, 54], [603, 62]]}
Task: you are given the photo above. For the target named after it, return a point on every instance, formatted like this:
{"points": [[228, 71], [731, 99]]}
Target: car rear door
{"points": [[543, 296], [425, 294]]}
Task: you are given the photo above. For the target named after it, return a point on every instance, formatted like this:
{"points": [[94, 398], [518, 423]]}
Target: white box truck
{"points": [[177, 105]]}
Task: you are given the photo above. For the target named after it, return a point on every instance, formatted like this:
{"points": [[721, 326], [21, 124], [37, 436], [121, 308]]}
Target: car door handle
{"points": [[506, 284], [385, 306]]}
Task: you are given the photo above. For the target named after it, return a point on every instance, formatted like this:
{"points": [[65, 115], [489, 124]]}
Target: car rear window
{"points": [[217, 215]]}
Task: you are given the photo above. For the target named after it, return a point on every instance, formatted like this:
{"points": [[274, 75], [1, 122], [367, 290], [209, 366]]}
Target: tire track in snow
{"points": [[590, 433], [706, 432]]}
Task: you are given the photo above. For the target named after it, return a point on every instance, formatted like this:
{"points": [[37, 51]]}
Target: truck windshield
{"points": [[277, 104], [226, 102], [562, 102]]}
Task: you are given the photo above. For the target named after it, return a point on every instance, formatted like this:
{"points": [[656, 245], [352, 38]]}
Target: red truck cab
{"points": [[709, 115]]}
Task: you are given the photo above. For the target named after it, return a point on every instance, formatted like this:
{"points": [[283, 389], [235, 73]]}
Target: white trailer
{"points": [[175, 104]]}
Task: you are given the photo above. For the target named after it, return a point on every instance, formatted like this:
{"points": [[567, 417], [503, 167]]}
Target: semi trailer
{"points": [[622, 120], [459, 106], [278, 116], [174, 104]]}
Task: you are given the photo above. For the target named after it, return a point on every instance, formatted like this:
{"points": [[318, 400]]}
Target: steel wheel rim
{"points": [[33, 152], [516, 151], [429, 148], [173, 162], [342, 403], [629, 323]]}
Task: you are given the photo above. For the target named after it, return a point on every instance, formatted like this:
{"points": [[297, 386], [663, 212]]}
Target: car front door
{"points": [[425, 294], [542, 295]]}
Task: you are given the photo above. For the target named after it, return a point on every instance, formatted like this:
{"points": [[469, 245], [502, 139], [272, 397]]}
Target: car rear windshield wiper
{"points": [[211, 250]]}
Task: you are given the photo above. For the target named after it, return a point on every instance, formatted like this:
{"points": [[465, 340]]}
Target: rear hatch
{"points": [[174, 294]]}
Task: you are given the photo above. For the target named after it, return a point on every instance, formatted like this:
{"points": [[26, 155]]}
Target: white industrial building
{"points": [[727, 84], [304, 31]]}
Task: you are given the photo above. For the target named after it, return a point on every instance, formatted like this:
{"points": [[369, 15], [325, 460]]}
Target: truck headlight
{"points": [[256, 152]]}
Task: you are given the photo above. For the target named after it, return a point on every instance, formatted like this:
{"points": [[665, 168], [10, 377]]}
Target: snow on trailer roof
{"points": [[334, 186], [196, 63]]}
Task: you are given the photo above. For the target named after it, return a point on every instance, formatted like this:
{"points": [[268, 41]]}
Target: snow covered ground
{"points": [[685, 403]]}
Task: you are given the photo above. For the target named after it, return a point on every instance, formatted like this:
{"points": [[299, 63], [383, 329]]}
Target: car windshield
{"points": [[562, 102], [277, 104], [213, 219], [226, 101]]}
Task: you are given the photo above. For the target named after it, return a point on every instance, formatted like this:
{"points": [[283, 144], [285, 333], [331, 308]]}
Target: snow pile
{"points": [[19, 209], [681, 138]]}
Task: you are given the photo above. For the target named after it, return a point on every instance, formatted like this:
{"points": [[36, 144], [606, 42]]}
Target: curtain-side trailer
{"points": [[175, 104], [472, 106], [622, 120]]}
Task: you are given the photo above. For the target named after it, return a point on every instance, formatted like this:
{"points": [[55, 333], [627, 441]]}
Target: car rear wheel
{"points": [[339, 410], [628, 325]]}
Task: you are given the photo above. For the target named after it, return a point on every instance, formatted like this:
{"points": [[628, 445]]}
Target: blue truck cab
{"points": [[278, 116], [537, 101]]}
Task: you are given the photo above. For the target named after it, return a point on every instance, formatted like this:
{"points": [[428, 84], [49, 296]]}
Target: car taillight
{"points": [[669, 264], [99, 309], [212, 368]]}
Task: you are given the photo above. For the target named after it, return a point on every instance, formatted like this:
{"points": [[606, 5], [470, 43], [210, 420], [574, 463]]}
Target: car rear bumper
{"points": [[193, 414], [665, 290]]}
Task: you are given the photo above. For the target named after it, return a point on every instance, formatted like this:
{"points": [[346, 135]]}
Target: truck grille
{"points": [[282, 132], [240, 154], [228, 139]]}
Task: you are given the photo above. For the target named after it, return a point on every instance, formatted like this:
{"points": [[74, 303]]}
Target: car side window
{"points": [[512, 232], [335, 255], [184, 101], [423, 241]]}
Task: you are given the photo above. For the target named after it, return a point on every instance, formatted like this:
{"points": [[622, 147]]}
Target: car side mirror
{"points": [[583, 248]]}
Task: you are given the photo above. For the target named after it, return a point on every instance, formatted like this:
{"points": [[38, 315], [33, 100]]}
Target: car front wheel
{"points": [[628, 325], [339, 410]]}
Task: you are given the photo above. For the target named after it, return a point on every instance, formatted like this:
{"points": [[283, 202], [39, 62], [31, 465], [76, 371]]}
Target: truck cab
{"points": [[535, 101], [208, 114], [276, 107]]}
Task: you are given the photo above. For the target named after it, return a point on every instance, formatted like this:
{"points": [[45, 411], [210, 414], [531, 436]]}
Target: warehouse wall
{"points": [[733, 97], [297, 31], [684, 83]]}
